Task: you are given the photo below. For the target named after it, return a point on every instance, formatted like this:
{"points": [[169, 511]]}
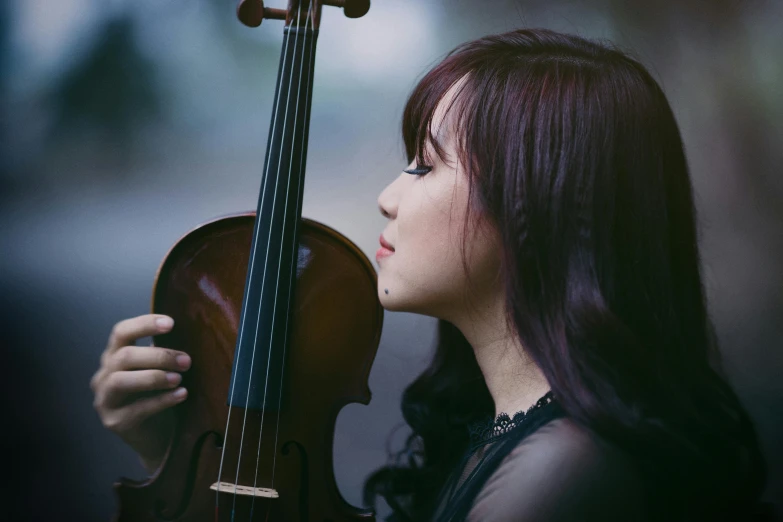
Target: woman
{"points": [[547, 219]]}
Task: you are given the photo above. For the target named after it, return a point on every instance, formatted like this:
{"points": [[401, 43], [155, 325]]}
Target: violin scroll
{"points": [[252, 12]]}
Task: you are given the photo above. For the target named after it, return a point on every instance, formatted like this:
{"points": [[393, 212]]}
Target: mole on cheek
{"points": [[386, 290]]}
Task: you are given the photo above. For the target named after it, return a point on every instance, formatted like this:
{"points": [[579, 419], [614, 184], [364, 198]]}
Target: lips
{"points": [[386, 249], [386, 244]]}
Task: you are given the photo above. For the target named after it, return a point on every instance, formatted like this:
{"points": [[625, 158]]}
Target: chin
{"points": [[391, 302], [397, 304], [392, 305]]}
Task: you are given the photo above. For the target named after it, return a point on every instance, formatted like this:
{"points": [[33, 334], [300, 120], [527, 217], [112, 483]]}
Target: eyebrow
{"points": [[443, 134], [441, 137]]}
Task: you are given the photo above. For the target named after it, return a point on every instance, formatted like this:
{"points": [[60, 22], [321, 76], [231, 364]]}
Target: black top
{"points": [[541, 466]]}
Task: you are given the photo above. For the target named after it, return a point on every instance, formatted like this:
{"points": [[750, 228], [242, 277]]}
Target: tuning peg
{"points": [[252, 12], [351, 8]]}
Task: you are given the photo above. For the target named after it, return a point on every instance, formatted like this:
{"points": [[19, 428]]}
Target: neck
{"points": [[514, 380]]}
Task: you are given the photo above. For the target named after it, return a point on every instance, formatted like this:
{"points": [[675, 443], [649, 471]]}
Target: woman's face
{"points": [[426, 216]]}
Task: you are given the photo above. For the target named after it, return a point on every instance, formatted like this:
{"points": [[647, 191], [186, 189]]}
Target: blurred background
{"points": [[124, 124]]}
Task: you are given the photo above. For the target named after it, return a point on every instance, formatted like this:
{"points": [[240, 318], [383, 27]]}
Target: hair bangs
{"points": [[422, 104]]}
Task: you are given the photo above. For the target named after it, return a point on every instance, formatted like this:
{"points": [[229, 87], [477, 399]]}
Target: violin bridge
{"points": [[227, 487]]}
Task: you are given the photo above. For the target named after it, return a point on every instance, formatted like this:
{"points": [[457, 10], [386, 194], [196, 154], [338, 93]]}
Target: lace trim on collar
{"points": [[490, 429]]}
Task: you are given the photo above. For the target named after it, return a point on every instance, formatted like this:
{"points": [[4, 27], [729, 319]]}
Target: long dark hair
{"points": [[574, 155]]}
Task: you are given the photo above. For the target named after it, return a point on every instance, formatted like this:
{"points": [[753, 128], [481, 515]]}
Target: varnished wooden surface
{"points": [[336, 329]]}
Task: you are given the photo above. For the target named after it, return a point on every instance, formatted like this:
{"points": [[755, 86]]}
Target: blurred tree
{"points": [[111, 90]]}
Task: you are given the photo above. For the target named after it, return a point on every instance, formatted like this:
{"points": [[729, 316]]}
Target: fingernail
{"points": [[164, 323], [173, 378], [180, 393], [183, 361]]}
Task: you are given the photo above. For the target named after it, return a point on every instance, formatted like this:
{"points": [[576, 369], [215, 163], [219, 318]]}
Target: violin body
{"points": [[274, 463]]}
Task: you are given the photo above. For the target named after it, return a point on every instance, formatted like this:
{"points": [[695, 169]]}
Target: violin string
{"points": [[244, 312], [296, 225], [293, 251], [274, 309]]}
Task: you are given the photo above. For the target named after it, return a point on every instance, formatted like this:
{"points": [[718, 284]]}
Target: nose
{"points": [[387, 202]]}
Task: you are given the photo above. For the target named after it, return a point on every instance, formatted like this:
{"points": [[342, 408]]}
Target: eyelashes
{"points": [[420, 170]]}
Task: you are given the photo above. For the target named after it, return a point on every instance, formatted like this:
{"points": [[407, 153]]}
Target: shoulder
{"points": [[562, 472]]}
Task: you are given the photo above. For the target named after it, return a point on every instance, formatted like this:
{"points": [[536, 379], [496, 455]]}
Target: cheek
{"points": [[425, 274]]}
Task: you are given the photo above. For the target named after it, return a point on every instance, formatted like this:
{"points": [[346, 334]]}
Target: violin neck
{"points": [[264, 326]]}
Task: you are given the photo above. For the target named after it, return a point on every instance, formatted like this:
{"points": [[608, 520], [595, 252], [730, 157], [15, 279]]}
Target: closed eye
{"points": [[420, 170]]}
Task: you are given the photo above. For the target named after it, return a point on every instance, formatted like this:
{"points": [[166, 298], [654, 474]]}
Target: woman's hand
{"points": [[136, 386]]}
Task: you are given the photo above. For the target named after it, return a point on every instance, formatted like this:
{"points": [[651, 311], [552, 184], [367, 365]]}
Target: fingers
{"points": [[135, 382], [119, 385], [148, 358], [127, 331], [122, 420]]}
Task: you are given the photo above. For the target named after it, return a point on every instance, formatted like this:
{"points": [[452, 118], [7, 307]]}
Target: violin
{"points": [[281, 319]]}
